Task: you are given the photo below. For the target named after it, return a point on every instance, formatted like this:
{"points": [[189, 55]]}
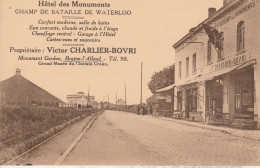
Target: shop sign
{"points": [[228, 63], [237, 13]]}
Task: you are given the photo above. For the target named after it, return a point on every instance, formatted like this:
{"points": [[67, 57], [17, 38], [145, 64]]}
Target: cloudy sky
{"points": [[153, 28]]}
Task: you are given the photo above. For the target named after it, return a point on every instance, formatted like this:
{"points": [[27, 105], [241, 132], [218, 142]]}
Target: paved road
{"points": [[119, 138]]}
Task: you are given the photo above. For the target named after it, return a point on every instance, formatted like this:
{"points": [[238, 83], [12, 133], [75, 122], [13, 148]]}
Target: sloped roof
{"points": [[19, 90], [166, 88], [157, 96], [209, 20]]}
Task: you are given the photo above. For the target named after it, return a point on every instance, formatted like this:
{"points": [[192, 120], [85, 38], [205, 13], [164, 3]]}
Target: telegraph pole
{"points": [[125, 98], [88, 97], [141, 101]]}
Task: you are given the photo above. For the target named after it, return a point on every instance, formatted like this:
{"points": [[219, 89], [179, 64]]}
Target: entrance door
{"points": [[218, 96], [244, 89], [191, 101], [215, 96], [179, 100], [238, 102], [187, 103]]}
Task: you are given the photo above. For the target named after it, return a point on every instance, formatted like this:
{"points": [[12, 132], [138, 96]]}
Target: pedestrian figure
{"points": [[144, 110], [151, 110]]}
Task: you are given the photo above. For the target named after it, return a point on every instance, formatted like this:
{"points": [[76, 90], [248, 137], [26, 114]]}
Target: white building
{"points": [[80, 100], [217, 71], [120, 102]]}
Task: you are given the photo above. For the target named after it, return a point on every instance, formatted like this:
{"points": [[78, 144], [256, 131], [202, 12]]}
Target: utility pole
{"points": [[88, 96], [141, 101], [125, 98]]}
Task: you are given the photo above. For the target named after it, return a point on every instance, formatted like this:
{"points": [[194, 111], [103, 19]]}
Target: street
{"points": [[120, 138]]}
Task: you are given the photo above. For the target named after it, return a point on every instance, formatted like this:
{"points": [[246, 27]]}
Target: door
{"points": [[187, 103], [179, 99], [244, 99]]}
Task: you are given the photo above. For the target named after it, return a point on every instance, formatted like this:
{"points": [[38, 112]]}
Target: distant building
{"points": [[120, 102], [97, 105], [160, 101], [80, 100], [17, 90]]}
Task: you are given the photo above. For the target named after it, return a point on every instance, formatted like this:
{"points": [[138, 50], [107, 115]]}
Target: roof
{"points": [[162, 95], [166, 88], [209, 20], [19, 89], [189, 81], [79, 95]]}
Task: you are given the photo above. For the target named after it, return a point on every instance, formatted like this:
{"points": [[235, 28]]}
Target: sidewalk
{"points": [[251, 134]]}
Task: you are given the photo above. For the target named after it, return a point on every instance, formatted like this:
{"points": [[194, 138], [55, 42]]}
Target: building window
{"points": [[187, 66], [221, 47], [194, 67], [209, 55], [220, 81], [180, 69], [240, 36]]}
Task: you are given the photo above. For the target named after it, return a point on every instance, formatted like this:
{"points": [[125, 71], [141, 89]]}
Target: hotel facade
{"points": [[217, 75]]}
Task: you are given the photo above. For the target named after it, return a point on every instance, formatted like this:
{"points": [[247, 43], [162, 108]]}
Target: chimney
{"points": [[211, 12], [18, 71]]}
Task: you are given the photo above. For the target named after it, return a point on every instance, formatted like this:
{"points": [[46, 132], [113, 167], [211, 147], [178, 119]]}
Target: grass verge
{"points": [[22, 127]]}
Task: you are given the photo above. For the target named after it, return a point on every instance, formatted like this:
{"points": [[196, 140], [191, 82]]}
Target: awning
{"points": [[166, 88], [212, 75], [190, 81], [248, 63]]}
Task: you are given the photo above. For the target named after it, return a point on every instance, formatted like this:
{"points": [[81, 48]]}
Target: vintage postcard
{"points": [[130, 83]]}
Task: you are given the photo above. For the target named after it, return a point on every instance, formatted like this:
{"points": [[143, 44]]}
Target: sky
{"points": [[152, 28]]}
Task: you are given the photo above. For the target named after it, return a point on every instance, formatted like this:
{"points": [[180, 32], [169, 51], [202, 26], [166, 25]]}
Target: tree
{"points": [[162, 79]]}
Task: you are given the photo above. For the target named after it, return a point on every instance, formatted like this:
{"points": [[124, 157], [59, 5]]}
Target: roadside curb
{"points": [[249, 134], [76, 141], [195, 125]]}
